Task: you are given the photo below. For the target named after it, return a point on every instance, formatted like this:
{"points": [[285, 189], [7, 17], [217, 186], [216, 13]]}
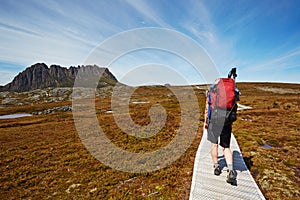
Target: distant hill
{"points": [[40, 76]]}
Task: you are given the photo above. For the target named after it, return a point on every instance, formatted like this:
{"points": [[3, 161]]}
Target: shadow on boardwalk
{"points": [[205, 185]]}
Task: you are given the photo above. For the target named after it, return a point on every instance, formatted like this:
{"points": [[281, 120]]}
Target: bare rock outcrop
{"points": [[40, 76]]}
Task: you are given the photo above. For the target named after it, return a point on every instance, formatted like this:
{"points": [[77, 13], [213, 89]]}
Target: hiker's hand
{"points": [[205, 126]]}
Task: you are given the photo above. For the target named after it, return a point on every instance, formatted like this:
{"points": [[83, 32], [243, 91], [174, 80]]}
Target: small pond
{"points": [[12, 116], [266, 146]]}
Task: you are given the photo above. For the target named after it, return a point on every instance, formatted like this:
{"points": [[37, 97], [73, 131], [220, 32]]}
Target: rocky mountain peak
{"points": [[40, 76]]}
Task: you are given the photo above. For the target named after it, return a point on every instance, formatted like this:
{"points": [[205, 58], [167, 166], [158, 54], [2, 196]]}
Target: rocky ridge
{"points": [[40, 76]]}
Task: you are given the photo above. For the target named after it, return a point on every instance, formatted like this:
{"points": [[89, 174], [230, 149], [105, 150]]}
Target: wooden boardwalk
{"points": [[205, 185]]}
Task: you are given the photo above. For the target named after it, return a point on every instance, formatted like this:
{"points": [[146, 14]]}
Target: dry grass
{"points": [[275, 121], [42, 156]]}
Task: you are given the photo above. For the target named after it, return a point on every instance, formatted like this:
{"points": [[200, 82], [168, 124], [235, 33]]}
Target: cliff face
{"points": [[39, 76]]}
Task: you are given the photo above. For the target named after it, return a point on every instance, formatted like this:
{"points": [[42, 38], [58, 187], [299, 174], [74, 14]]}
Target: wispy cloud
{"points": [[284, 61], [8, 71], [249, 35], [52, 32], [148, 12], [206, 32], [18, 29]]}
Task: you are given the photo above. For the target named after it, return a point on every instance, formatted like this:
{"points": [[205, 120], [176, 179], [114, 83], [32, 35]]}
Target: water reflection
{"points": [[12, 116], [267, 146]]}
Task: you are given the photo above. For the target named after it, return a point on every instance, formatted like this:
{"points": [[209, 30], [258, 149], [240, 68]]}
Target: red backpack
{"points": [[222, 94], [222, 98]]}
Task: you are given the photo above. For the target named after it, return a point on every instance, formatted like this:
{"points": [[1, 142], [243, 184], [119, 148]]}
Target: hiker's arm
{"points": [[235, 108], [205, 125]]}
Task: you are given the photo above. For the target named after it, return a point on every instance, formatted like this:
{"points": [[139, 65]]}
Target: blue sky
{"points": [[260, 38]]}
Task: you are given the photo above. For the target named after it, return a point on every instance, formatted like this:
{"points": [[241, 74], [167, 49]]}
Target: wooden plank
{"points": [[205, 185]]}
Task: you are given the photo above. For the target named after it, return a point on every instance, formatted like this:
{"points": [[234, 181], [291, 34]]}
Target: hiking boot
{"points": [[217, 171], [231, 177]]}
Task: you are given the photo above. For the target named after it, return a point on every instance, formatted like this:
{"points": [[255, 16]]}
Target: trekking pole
{"points": [[233, 74], [235, 88], [236, 91]]}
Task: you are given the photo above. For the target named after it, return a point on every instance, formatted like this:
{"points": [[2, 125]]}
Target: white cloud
{"points": [[65, 33], [163, 42], [6, 76], [283, 61], [203, 28], [148, 12]]}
